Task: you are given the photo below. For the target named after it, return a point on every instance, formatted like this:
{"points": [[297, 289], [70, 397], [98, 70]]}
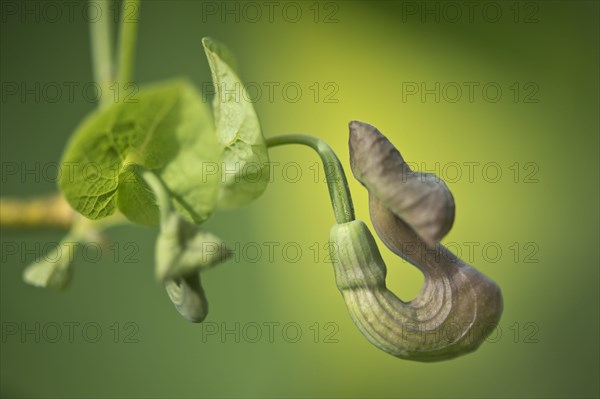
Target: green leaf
{"points": [[53, 270], [139, 205], [169, 130], [246, 161], [182, 248]]}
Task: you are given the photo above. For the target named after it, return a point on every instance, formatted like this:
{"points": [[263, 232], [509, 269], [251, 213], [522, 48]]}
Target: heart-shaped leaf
{"points": [[245, 164], [169, 130]]}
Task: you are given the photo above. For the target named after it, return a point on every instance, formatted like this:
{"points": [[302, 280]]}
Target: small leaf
{"points": [[182, 248], [169, 131], [53, 270], [245, 164]]}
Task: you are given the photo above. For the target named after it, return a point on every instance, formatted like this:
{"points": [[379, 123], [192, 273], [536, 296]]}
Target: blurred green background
{"points": [[541, 133]]}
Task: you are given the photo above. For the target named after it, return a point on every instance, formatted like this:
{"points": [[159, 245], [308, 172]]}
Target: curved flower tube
{"points": [[457, 308], [452, 315]]}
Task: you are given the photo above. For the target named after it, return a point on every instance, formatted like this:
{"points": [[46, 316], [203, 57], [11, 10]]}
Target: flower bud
{"points": [[182, 252], [187, 295], [182, 248]]}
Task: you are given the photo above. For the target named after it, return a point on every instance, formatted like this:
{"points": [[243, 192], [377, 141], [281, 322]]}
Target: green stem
{"points": [[341, 200], [127, 39], [101, 50], [162, 195]]}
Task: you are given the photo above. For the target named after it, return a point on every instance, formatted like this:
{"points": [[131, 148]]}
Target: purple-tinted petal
{"points": [[420, 199]]}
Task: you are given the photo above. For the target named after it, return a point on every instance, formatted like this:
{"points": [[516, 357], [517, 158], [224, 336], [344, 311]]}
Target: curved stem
{"points": [[161, 193], [127, 39], [341, 200]]}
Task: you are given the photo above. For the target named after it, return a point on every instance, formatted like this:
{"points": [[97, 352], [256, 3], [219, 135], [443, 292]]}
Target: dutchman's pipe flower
{"points": [[457, 308]]}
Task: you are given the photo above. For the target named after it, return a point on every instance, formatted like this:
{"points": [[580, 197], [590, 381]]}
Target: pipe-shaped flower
{"points": [[457, 308]]}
